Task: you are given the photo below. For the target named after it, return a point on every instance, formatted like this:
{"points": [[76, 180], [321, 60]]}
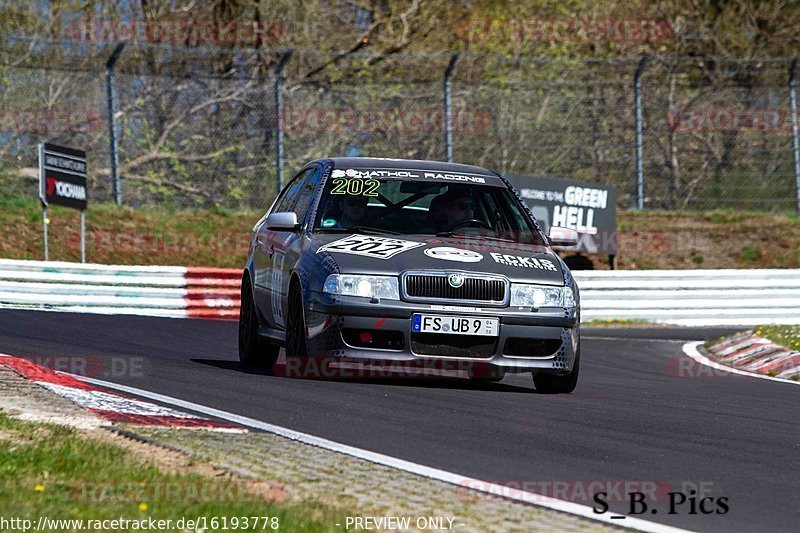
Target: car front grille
{"points": [[483, 289], [443, 345]]}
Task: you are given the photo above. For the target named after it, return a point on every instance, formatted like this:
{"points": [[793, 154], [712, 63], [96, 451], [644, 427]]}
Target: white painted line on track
{"points": [[690, 349], [598, 338], [407, 466]]}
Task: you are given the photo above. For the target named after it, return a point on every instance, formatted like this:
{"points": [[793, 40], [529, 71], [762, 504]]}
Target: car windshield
{"points": [[422, 207]]}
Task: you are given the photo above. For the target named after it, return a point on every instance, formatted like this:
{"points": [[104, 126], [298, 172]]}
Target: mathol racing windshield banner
{"points": [[588, 208], [62, 176]]}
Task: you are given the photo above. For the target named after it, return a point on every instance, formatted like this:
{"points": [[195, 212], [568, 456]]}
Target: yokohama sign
{"points": [[62, 176]]}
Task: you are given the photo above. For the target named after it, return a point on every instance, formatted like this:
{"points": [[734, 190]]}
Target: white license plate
{"points": [[458, 325]]}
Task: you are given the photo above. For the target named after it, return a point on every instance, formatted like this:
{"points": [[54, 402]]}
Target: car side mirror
{"points": [[282, 221], [563, 237]]}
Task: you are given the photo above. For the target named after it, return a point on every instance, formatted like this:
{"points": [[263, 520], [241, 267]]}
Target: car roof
{"points": [[408, 164]]}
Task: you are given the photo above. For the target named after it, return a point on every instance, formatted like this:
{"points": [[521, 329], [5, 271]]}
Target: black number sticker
{"points": [[369, 246], [366, 246]]}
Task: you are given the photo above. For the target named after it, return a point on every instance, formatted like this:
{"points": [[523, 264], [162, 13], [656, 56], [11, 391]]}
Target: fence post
{"points": [[113, 142], [279, 119], [637, 89], [795, 139], [448, 111]]}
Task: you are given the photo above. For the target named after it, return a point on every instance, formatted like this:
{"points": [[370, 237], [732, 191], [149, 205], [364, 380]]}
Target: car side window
{"points": [[289, 195], [306, 193]]}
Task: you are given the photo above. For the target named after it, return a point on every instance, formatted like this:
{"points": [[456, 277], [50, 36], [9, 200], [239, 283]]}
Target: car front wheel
{"points": [[554, 384], [295, 326], [299, 363]]}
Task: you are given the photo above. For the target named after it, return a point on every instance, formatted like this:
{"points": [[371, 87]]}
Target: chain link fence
{"points": [[219, 126]]}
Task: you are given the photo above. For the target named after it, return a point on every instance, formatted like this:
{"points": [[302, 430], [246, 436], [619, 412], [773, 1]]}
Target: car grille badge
{"points": [[455, 280]]}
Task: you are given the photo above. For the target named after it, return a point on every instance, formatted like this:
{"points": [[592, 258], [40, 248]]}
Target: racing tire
{"points": [[296, 342], [555, 384], [252, 352], [298, 363]]}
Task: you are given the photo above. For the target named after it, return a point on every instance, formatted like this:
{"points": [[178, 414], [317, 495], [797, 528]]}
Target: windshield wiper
{"points": [[365, 229], [496, 238], [360, 229], [473, 236]]}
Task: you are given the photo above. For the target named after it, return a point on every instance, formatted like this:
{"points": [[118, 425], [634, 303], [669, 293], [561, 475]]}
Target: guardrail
{"points": [[692, 297], [166, 291], [680, 297]]}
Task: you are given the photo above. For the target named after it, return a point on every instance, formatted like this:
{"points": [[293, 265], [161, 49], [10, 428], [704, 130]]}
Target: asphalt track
{"points": [[643, 412]]}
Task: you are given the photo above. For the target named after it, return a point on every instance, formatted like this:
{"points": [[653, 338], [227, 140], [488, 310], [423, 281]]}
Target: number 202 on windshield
{"points": [[355, 187]]}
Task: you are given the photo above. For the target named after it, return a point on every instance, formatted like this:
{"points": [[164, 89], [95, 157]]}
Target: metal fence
{"points": [[218, 126]]}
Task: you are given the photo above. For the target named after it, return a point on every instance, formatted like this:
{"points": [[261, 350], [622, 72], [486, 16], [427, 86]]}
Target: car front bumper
{"points": [[556, 330]]}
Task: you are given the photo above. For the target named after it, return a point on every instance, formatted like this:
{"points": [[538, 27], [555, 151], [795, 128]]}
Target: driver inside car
{"points": [[351, 212], [450, 208]]}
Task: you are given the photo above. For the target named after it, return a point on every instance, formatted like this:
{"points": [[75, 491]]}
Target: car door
{"points": [[288, 246], [264, 260]]}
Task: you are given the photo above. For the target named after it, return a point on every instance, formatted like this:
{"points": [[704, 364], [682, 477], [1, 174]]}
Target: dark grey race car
{"points": [[409, 264]]}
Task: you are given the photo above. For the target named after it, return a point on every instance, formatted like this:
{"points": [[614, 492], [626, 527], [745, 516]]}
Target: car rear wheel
{"points": [[252, 352], [554, 384]]}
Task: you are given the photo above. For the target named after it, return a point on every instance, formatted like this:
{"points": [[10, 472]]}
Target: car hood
{"points": [[390, 255]]}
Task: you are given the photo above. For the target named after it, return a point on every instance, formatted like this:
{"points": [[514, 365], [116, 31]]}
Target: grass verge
{"points": [[616, 322], [788, 336], [214, 236], [60, 473]]}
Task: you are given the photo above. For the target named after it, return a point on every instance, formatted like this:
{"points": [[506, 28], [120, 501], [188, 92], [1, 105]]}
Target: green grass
{"points": [[616, 322], [728, 216], [54, 471], [218, 236], [126, 235], [788, 336], [750, 253]]}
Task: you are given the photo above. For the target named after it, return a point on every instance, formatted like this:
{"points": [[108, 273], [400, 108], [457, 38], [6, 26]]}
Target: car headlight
{"points": [[367, 286], [526, 295]]}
